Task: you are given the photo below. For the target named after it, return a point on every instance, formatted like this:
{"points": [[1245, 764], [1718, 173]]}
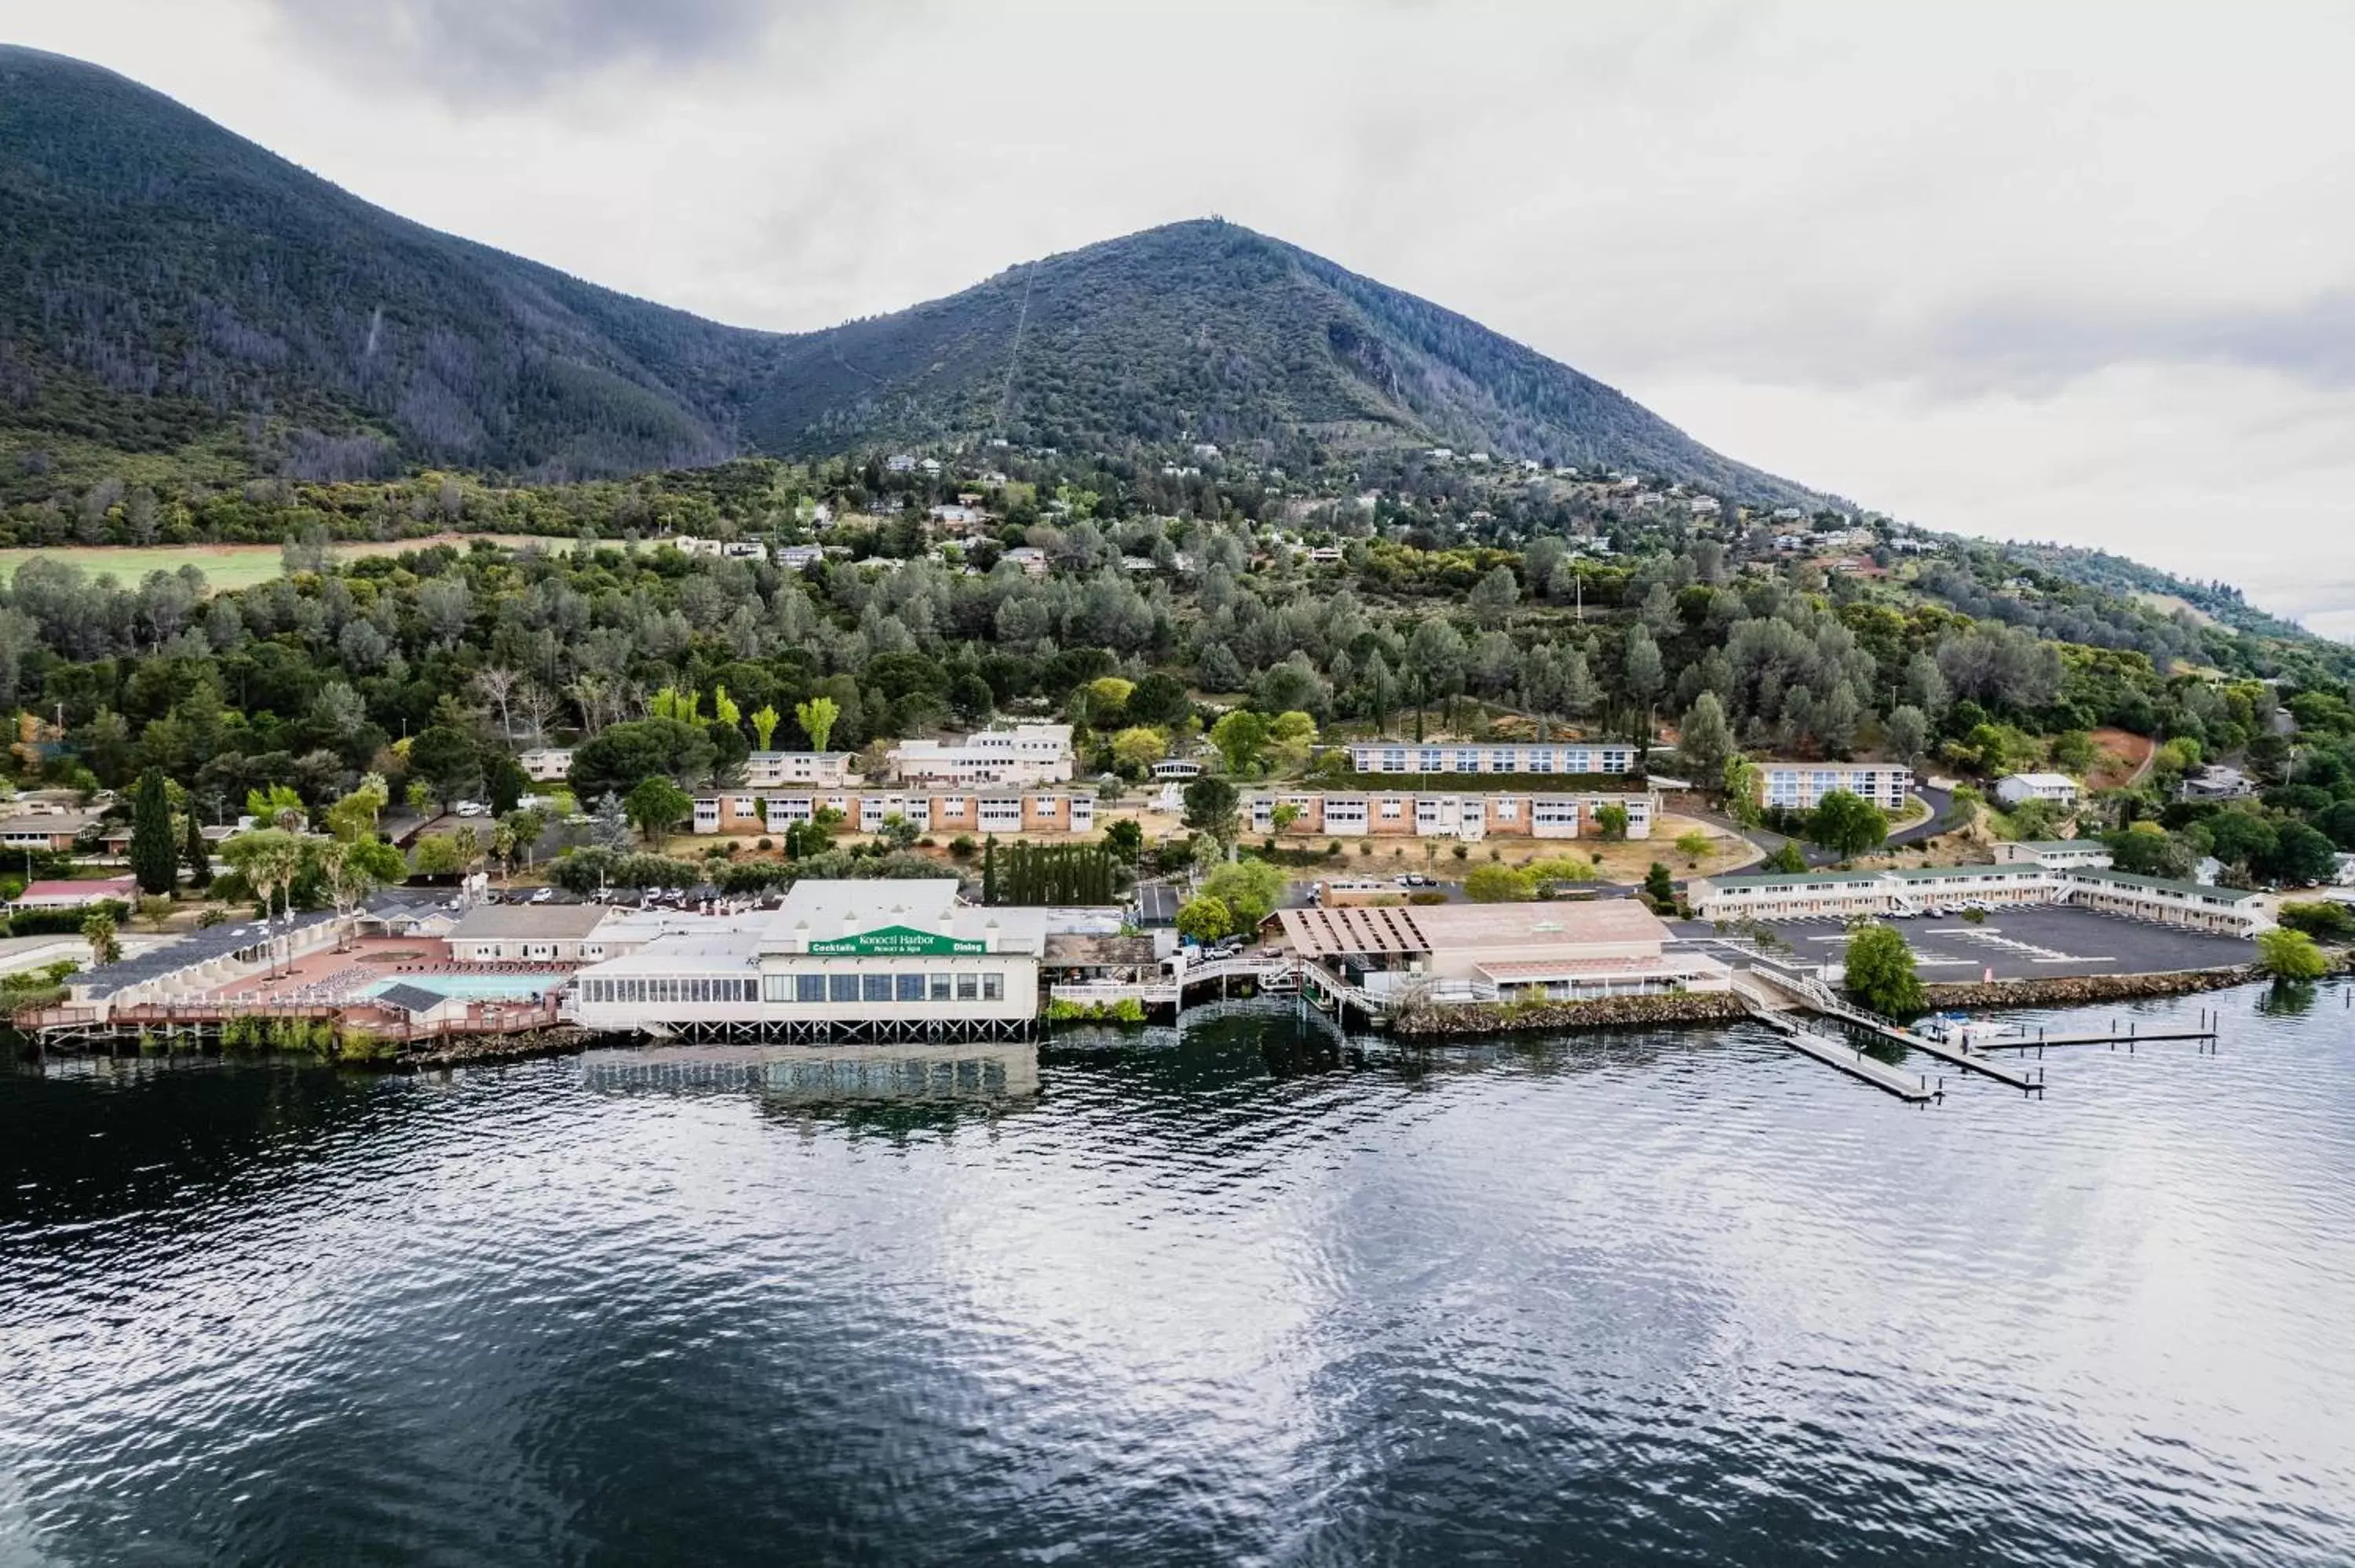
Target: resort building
{"points": [[528, 933], [865, 958], [1024, 754], [73, 895], [1568, 756], [54, 830], [1488, 815], [547, 764], [866, 812], [1508, 952], [2226, 911], [1853, 894], [2058, 853], [2052, 788], [1799, 786], [812, 769]]}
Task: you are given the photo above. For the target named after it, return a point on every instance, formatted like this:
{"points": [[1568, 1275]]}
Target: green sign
{"points": [[897, 942]]}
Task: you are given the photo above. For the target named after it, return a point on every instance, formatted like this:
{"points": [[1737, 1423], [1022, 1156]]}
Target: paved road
{"points": [[1940, 802]]}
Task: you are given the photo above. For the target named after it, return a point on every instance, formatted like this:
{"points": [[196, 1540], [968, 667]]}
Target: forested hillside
{"points": [[171, 290]]}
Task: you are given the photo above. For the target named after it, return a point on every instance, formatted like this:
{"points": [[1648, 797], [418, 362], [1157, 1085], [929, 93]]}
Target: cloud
{"points": [[462, 49]]}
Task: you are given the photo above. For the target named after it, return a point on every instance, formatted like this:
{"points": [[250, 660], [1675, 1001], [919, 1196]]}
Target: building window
{"points": [[968, 986], [939, 988], [809, 988], [911, 988], [875, 988], [993, 986], [842, 988]]}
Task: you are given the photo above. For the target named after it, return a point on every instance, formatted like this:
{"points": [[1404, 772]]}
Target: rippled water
{"points": [[1253, 1297]]}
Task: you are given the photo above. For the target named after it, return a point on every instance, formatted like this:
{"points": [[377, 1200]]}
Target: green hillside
{"points": [[174, 290]]}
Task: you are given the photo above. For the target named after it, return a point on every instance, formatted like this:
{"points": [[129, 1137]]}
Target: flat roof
{"points": [[1376, 928], [1937, 872], [1790, 879], [528, 920], [2042, 780]]}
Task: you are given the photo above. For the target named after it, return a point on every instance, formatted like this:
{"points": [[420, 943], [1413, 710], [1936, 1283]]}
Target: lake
{"points": [[1249, 1295]]}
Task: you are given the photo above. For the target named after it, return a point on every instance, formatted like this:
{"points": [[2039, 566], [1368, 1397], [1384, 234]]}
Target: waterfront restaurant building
{"points": [[1509, 952], [875, 958]]}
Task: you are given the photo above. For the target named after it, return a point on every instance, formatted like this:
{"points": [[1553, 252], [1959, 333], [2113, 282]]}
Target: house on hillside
{"points": [[2052, 788], [76, 895], [900, 462]]}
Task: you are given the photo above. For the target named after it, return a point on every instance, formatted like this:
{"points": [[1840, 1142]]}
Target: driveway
{"points": [[1940, 802]]}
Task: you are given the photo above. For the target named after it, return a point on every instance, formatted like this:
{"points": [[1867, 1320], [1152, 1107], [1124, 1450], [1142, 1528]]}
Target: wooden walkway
{"points": [[1912, 1087], [1817, 998]]}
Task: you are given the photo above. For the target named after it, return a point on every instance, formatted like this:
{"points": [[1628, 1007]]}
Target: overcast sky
{"points": [[2081, 273]]}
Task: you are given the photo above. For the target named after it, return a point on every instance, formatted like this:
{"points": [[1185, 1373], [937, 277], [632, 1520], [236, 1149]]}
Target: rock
{"points": [[1604, 1013], [2068, 990]]}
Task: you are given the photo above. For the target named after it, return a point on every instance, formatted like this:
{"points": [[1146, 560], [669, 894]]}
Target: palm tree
{"points": [[98, 930]]}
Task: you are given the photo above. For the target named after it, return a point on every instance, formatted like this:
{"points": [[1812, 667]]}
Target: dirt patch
{"points": [[2123, 758]]}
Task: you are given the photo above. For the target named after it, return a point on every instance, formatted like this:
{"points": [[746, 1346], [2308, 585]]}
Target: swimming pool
{"points": [[510, 987]]}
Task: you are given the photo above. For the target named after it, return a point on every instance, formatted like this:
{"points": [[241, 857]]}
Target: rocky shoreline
{"points": [[2071, 990], [1604, 1013], [486, 1050]]}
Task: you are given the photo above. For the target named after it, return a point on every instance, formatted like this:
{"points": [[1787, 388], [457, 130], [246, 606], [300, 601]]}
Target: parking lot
{"points": [[2025, 943]]}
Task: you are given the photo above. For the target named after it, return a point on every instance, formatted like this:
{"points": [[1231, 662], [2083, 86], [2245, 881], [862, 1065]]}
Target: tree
{"points": [[816, 716], [621, 755], [1611, 823], [354, 868], [435, 854], [655, 806], [2288, 954], [765, 719], [1692, 844], [1290, 734], [98, 929], [1125, 839], [1645, 674], [1660, 887], [1493, 597], [1251, 889], [154, 853], [2322, 920], [1283, 815], [1240, 736], [1204, 919], [1211, 809], [989, 869], [1137, 748], [353, 816], [1905, 732], [449, 761], [1499, 885], [1741, 781], [1705, 741], [156, 909], [1786, 860], [2301, 856], [897, 831], [198, 854], [1846, 824], [1881, 972], [279, 805]]}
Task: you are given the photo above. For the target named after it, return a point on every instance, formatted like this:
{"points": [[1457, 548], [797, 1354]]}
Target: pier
{"points": [[1912, 1087], [2133, 1035]]}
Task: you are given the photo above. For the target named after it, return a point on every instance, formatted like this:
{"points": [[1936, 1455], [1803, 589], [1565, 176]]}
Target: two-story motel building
{"points": [[1475, 816], [1850, 894], [996, 811]]}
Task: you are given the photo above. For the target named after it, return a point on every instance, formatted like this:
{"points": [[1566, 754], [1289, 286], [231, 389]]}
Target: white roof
{"points": [[2042, 780], [835, 908], [686, 954]]}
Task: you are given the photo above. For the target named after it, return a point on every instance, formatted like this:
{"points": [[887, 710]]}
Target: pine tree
{"points": [[155, 858]]}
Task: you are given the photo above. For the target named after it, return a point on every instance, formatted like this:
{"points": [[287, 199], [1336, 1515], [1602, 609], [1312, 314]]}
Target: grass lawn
{"points": [[230, 566]]}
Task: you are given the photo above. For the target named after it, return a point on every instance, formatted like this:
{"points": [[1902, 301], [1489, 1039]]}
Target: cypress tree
{"points": [[198, 854], [989, 869], [155, 858]]}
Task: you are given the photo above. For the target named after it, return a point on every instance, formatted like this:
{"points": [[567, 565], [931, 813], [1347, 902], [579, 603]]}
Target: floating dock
{"points": [[1913, 1087]]}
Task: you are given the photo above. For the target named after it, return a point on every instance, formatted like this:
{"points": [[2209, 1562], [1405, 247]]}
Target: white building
{"points": [[879, 959], [547, 764], [2054, 788], [800, 557], [1031, 559], [1568, 756], [528, 933], [1799, 786], [820, 769], [1816, 895], [1503, 952], [1024, 754], [2058, 853]]}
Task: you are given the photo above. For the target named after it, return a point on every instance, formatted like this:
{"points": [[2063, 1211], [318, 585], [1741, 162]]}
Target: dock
{"points": [[1912, 1087], [1817, 998], [2134, 1035]]}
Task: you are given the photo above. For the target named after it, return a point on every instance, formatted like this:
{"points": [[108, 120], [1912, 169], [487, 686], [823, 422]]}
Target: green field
{"points": [[229, 565]]}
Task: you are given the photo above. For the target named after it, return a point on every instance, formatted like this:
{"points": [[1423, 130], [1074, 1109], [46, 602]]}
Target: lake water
{"points": [[1673, 1298]]}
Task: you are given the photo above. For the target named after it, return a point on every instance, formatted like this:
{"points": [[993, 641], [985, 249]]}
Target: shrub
{"points": [[1499, 885], [2325, 922], [1426, 897], [962, 846], [2290, 955], [1974, 916]]}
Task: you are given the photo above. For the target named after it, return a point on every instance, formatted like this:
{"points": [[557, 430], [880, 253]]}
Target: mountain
{"points": [[167, 279]]}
